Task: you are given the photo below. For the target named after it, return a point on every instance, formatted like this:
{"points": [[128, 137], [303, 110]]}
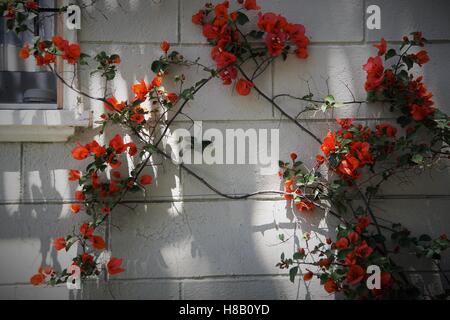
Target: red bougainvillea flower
{"points": [[116, 174], [95, 180], [113, 162], [113, 105], [330, 286], [320, 159], [86, 231], [345, 123], [95, 148], [157, 82], [353, 237], [301, 53], [198, 17], [293, 156], [24, 52], [98, 242], [355, 274], [324, 263], [386, 280], [117, 144], [350, 259], [37, 279], [113, 266], [385, 129], [363, 223], [223, 59], [86, 258], [275, 43], [59, 42], [132, 150], [80, 152], [381, 47], [268, 21], [419, 113], [79, 195], [243, 87], [288, 184], [146, 179], [72, 53], [421, 57], [32, 5], [342, 243], [251, 5], [165, 46], [363, 250], [308, 276], [140, 90], [221, 10], [137, 117], [59, 243], [375, 73], [75, 208], [329, 143], [172, 97], [228, 74], [304, 205], [74, 175]]}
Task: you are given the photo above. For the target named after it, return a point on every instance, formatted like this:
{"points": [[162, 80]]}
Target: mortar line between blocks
{"points": [[215, 198], [21, 174], [364, 22], [179, 22]]}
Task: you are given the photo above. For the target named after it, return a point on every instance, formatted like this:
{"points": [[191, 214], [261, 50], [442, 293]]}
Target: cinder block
{"points": [[29, 292], [27, 232], [196, 239], [399, 18], [335, 70], [10, 159], [254, 288], [130, 21], [126, 290], [325, 20], [46, 169], [246, 178]]}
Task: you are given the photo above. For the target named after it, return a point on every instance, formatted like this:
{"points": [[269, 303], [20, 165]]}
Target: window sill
{"points": [[40, 125]]}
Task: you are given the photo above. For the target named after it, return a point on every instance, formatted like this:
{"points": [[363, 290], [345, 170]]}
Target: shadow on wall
{"points": [[200, 241]]}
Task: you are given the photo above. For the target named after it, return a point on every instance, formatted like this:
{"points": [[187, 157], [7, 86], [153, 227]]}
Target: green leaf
{"points": [[256, 34], [408, 61], [417, 158], [292, 273], [390, 53], [425, 237], [158, 66], [242, 18]]}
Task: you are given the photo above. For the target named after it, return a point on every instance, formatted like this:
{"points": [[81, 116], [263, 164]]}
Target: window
{"points": [[23, 85], [34, 106]]}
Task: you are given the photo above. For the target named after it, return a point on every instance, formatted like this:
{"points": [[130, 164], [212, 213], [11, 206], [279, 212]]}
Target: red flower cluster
{"points": [[279, 32], [41, 276], [45, 52], [347, 149], [353, 255], [418, 98], [222, 32]]}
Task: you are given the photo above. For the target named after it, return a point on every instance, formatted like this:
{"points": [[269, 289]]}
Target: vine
{"points": [[354, 162]]}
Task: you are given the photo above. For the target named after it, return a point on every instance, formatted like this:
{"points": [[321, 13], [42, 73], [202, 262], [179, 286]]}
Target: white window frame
{"points": [[31, 123]]}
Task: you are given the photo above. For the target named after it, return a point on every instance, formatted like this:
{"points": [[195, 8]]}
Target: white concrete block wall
{"points": [[184, 241]]}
